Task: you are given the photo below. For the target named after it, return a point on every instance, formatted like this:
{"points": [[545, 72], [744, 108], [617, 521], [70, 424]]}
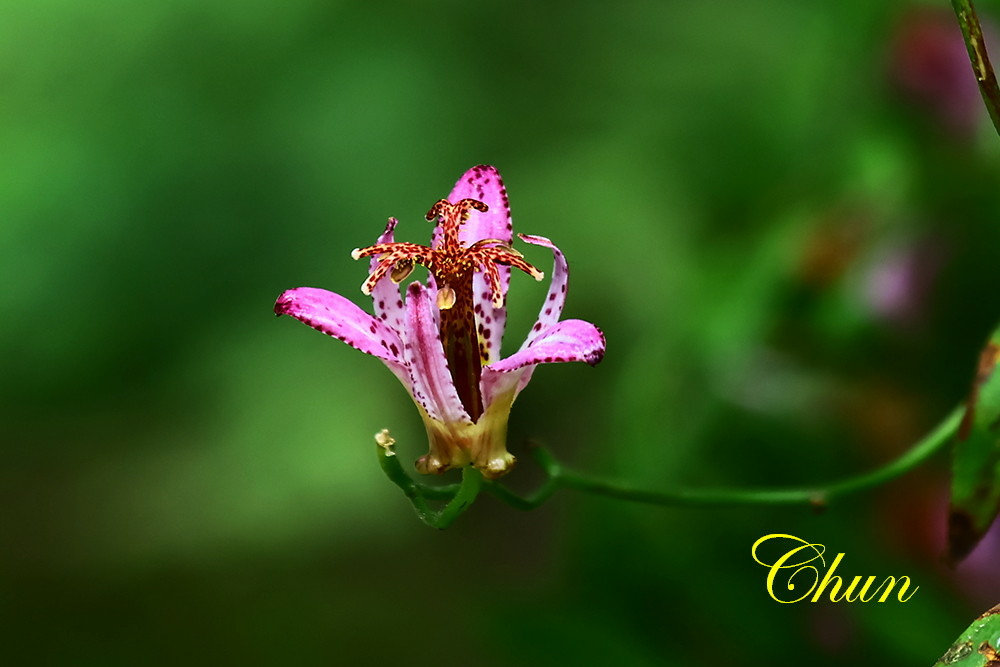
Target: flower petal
{"points": [[569, 340], [385, 294], [340, 318], [430, 380], [550, 311], [490, 320]]}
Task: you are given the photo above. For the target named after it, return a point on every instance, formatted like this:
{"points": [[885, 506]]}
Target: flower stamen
{"points": [[453, 265], [449, 261]]}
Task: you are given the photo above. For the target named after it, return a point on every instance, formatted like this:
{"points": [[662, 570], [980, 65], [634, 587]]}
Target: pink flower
{"points": [[443, 343]]}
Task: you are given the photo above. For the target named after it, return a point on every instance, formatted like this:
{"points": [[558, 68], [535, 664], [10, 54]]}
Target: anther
{"points": [[445, 298], [401, 270]]}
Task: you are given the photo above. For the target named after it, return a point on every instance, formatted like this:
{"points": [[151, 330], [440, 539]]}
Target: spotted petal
{"points": [[556, 297], [340, 318], [385, 294], [430, 380], [569, 340]]}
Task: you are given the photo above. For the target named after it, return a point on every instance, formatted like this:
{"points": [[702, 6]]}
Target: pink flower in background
{"points": [[899, 287], [443, 342], [929, 64]]}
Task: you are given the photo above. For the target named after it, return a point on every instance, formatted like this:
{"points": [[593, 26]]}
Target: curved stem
{"points": [[472, 481], [817, 496], [554, 476], [389, 462], [972, 33], [459, 496]]}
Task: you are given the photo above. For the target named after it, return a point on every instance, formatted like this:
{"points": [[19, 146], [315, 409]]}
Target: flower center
{"points": [[453, 265]]}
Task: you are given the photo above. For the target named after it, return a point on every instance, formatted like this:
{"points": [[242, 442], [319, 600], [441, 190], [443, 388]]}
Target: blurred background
{"points": [[782, 214]]}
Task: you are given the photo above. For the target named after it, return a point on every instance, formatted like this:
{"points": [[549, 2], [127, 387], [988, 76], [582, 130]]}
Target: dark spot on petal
{"points": [[488, 319], [394, 349], [537, 327], [548, 311], [486, 333], [372, 328], [562, 288], [552, 297]]}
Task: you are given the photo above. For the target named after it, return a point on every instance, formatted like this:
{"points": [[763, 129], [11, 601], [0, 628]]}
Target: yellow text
{"points": [[802, 568]]}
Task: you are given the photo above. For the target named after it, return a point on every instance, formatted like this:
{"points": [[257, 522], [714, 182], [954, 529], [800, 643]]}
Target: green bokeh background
{"points": [[186, 480]]}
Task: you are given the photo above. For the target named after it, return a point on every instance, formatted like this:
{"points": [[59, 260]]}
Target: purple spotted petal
{"points": [[490, 320], [555, 299], [430, 380], [340, 318], [484, 184], [387, 301], [550, 311], [569, 340]]}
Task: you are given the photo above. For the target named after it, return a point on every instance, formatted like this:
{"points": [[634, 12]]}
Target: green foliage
{"points": [[977, 646], [975, 484], [185, 478]]}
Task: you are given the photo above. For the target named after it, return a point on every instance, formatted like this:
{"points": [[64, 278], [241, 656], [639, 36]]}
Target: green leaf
{"points": [[975, 484], [977, 646]]}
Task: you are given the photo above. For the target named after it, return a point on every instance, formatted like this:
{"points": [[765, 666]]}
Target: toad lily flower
{"points": [[443, 343]]}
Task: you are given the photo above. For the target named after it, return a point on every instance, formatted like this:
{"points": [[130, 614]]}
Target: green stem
{"points": [[414, 492], [472, 481], [816, 496], [972, 32], [459, 496], [554, 476]]}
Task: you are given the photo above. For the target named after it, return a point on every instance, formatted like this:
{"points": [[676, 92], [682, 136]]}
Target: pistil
{"points": [[461, 344]]}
